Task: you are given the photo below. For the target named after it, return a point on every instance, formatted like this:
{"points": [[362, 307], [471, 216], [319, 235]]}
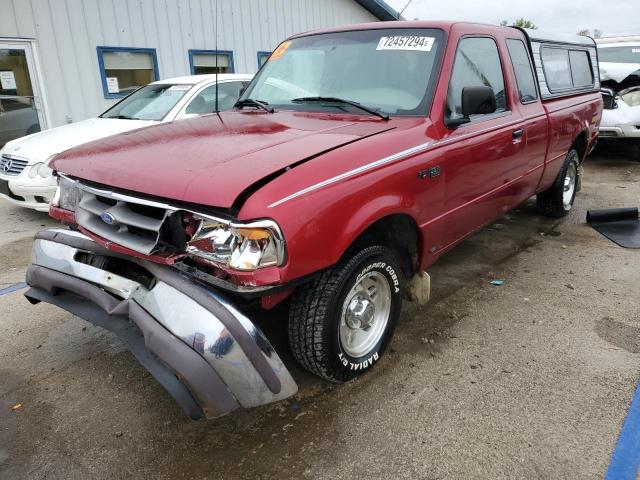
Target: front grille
{"points": [[143, 228], [12, 165]]}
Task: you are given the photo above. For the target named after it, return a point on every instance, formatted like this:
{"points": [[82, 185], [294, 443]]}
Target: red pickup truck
{"points": [[355, 158]]}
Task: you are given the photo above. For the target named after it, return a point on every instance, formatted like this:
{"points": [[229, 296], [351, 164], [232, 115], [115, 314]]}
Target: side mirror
{"points": [[476, 100]]}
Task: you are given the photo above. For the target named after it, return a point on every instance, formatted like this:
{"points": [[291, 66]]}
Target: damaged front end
{"points": [[206, 353], [621, 98]]}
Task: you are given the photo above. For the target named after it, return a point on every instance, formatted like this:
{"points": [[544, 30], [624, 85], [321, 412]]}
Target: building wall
{"points": [[68, 31]]}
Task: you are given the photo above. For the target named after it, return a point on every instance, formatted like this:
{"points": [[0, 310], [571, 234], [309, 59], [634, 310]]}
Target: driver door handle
{"points": [[517, 134]]}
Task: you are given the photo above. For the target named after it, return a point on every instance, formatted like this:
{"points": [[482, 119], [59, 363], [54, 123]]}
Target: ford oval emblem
{"points": [[107, 218]]}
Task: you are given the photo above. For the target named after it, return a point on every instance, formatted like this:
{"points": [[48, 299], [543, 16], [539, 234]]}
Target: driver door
{"points": [[485, 154]]}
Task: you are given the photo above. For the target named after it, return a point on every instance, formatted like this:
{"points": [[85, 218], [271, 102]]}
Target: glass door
{"points": [[19, 99]]}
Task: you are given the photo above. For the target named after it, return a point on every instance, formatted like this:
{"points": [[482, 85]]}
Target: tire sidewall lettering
{"points": [[383, 267], [362, 365]]}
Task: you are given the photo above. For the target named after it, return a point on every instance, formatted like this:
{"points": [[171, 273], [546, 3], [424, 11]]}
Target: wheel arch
{"points": [[581, 143], [396, 230]]}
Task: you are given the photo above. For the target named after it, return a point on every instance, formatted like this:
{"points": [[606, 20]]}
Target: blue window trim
{"points": [[101, 50], [228, 53], [261, 54]]}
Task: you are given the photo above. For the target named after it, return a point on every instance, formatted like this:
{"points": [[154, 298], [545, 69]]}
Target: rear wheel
{"points": [[557, 200], [341, 323]]}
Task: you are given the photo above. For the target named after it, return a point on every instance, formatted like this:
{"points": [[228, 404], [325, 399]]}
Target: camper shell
{"points": [[541, 42]]}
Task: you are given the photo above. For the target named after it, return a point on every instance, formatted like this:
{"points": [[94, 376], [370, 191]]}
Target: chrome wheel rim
{"points": [[365, 314], [569, 185]]}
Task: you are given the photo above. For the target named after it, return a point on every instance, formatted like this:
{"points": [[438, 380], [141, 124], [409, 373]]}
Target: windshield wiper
{"points": [[252, 102], [364, 108], [124, 117]]}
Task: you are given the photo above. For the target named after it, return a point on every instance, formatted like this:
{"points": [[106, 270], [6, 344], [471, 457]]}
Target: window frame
{"points": [[531, 67], [573, 88], [100, 50], [229, 53], [487, 116]]}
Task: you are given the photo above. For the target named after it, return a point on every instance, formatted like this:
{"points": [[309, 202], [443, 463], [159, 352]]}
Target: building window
{"points": [[262, 58], [124, 70], [210, 61]]}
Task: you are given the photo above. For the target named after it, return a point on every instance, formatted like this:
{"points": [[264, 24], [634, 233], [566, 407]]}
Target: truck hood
{"points": [[42, 145], [212, 159]]}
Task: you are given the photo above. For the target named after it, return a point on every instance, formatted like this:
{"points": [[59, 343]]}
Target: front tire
{"points": [[557, 200], [341, 323]]}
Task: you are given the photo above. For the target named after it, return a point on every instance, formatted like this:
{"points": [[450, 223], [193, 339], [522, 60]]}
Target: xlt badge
{"points": [[429, 172]]}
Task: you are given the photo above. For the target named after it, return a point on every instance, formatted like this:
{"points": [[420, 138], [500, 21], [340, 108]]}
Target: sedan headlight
{"points": [[239, 246], [40, 170], [68, 195]]}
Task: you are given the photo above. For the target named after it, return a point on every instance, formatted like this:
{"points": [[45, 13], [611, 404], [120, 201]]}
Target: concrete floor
{"points": [[531, 379]]}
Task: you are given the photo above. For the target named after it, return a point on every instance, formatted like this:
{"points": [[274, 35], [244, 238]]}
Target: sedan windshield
{"points": [[389, 71], [152, 102]]}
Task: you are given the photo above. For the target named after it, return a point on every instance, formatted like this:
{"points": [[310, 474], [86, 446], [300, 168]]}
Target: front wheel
{"points": [[557, 200], [341, 323]]}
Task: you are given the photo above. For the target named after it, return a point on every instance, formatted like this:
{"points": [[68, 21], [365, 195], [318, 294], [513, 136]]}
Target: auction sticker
{"points": [[406, 42], [278, 52]]}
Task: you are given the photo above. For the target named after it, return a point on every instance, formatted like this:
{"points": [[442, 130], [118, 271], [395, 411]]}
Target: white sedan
{"points": [[25, 178], [620, 75]]}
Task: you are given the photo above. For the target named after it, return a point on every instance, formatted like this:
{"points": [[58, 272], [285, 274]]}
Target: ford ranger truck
{"points": [[356, 157]]}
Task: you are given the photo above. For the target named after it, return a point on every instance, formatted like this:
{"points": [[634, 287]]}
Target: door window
{"points": [[477, 63], [205, 101], [18, 116], [522, 68]]}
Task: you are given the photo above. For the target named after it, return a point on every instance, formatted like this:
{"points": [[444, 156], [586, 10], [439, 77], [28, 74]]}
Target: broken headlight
{"points": [[68, 195], [239, 246]]}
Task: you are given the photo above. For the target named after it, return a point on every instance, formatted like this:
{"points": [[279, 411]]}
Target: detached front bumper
{"points": [[201, 349]]}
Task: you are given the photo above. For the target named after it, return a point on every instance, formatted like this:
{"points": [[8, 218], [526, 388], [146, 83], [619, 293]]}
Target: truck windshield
{"points": [[152, 102], [389, 71], [629, 54]]}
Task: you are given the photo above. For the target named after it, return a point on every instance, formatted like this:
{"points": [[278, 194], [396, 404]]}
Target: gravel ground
{"points": [[531, 379]]}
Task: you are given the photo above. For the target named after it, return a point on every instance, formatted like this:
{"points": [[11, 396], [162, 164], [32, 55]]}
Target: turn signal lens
{"points": [[253, 233]]}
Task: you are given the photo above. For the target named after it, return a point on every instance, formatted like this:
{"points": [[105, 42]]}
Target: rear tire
{"points": [[341, 323], [557, 200]]}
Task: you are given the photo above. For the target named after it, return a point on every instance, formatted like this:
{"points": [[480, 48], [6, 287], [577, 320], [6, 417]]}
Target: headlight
{"points": [[44, 171], [239, 246], [68, 195], [40, 170]]}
